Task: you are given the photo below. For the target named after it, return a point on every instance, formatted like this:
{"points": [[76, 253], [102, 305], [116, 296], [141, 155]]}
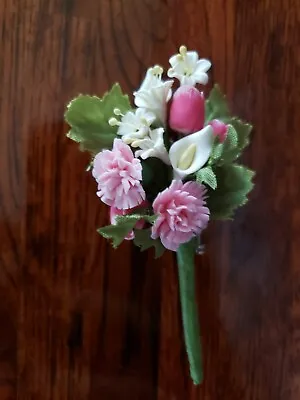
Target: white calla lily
{"points": [[190, 153]]}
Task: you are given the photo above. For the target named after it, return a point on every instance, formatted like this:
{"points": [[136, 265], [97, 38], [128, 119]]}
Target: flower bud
{"points": [[220, 129], [187, 110]]}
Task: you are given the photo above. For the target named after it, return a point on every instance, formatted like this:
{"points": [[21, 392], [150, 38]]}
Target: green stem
{"points": [[191, 327]]}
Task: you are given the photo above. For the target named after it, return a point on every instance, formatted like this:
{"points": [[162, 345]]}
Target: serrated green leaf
{"points": [[144, 241], [224, 153], [207, 176], [216, 152], [234, 184], [237, 139], [243, 130], [232, 137], [124, 225], [88, 117], [216, 105]]}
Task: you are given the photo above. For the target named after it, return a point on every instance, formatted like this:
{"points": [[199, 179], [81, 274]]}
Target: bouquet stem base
{"points": [[190, 320]]}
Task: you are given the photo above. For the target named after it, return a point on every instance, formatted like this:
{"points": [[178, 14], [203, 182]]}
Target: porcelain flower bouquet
{"points": [[165, 166]]}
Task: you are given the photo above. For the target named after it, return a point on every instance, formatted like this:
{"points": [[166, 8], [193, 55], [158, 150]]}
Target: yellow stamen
{"points": [[113, 122], [157, 70], [127, 140], [117, 111], [135, 143], [187, 157], [183, 50]]}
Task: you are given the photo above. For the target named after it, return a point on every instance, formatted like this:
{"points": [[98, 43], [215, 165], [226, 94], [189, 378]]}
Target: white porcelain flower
{"points": [[152, 146], [154, 93], [187, 67], [134, 124], [190, 153]]}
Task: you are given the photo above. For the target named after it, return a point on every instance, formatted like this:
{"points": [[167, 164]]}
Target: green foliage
{"points": [[232, 139], [156, 176], [216, 105], [216, 152], [124, 225], [243, 131], [234, 184], [207, 176], [88, 117], [238, 132], [237, 139], [144, 241]]}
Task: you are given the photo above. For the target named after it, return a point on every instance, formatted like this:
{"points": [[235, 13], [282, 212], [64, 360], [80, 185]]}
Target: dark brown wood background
{"points": [[81, 321]]}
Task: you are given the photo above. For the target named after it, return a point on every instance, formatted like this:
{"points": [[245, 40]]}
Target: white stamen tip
{"points": [[126, 140], [158, 70], [183, 50], [117, 111], [113, 122]]}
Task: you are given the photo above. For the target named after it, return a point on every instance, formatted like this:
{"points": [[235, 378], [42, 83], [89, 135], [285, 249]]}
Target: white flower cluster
{"points": [[144, 127]]}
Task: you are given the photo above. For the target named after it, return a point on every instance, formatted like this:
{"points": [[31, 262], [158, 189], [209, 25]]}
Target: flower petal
{"points": [[203, 140], [203, 64]]}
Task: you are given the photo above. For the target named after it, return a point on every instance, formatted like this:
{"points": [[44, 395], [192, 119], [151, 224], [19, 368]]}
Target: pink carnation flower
{"points": [[118, 174], [181, 213]]}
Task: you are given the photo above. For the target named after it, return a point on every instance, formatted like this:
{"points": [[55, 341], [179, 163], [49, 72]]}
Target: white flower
{"points": [[152, 146], [133, 125], [154, 93], [190, 153], [187, 67]]}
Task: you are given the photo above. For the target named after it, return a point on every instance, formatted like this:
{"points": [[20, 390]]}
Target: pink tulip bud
{"points": [[187, 110], [220, 129]]}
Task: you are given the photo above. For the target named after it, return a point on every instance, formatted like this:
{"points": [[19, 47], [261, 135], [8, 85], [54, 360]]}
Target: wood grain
{"points": [[81, 321]]}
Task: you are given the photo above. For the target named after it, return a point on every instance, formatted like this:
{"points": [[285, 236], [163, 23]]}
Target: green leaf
{"points": [[207, 176], [144, 241], [234, 184], [234, 146], [228, 151], [88, 117], [156, 176], [232, 137], [243, 131], [124, 225], [216, 152], [216, 105], [237, 139]]}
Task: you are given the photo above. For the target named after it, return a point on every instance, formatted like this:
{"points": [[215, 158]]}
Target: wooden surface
{"points": [[81, 321]]}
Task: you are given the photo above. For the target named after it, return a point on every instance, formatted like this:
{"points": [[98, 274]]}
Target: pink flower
{"points": [[220, 129], [187, 110], [118, 174], [181, 213], [114, 212]]}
